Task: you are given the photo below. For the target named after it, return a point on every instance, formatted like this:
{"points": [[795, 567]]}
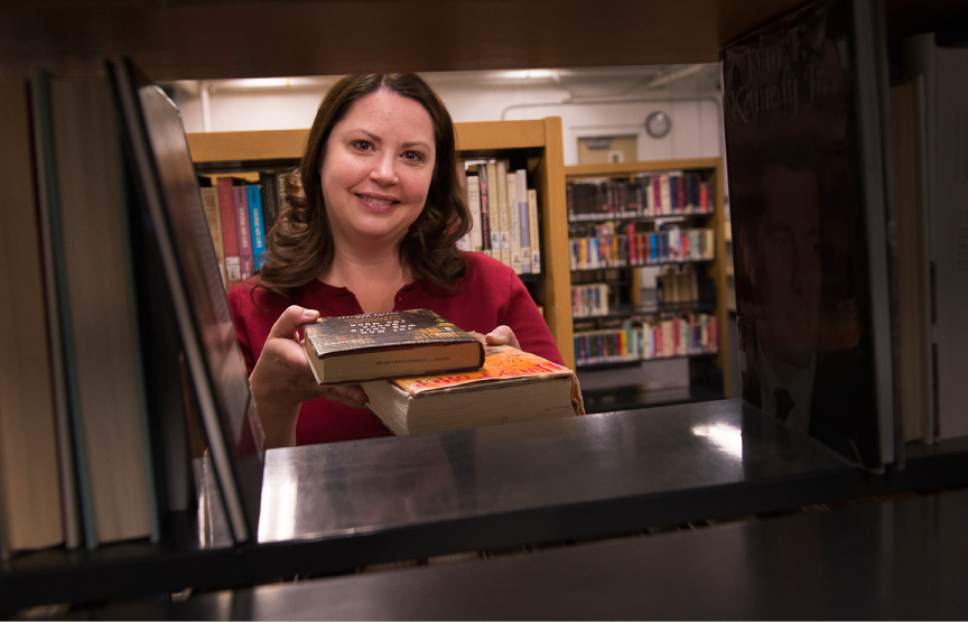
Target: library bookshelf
{"points": [[74, 38], [537, 141], [715, 269]]}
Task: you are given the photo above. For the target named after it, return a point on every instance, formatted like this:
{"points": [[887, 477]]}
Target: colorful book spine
{"points": [[242, 223], [256, 226], [230, 230]]}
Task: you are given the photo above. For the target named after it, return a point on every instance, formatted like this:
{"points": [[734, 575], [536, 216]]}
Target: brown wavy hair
{"points": [[300, 244]]}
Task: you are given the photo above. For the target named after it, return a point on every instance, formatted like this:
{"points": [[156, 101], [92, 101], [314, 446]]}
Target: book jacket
{"points": [[805, 206], [332, 335]]}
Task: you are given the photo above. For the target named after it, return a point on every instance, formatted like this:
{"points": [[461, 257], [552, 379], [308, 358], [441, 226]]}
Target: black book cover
{"points": [[804, 138]]}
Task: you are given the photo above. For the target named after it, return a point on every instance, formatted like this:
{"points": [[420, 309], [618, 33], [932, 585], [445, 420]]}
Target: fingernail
{"points": [[310, 313]]}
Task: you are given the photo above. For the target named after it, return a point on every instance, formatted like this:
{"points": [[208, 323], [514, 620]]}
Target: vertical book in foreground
{"points": [[512, 386], [810, 205], [943, 120], [164, 179], [30, 501], [92, 290]]}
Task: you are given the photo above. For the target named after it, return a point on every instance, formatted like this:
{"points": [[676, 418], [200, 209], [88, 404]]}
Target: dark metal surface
{"points": [[328, 490], [330, 508], [893, 560]]}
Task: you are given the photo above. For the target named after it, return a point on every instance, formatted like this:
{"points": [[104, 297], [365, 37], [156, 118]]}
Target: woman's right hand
{"points": [[282, 379]]}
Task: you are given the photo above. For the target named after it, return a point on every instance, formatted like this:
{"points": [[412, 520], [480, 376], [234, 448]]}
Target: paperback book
{"points": [[512, 386]]}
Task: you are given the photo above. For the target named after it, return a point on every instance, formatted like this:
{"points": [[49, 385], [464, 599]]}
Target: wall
{"points": [[607, 109]]}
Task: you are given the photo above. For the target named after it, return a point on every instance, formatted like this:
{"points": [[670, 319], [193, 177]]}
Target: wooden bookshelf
{"points": [[541, 136], [719, 266]]}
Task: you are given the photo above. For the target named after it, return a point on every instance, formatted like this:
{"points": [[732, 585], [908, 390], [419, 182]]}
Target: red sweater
{"points": [[488, 295]]}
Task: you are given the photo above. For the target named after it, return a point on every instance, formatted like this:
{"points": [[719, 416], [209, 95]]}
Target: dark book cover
{"points": [[396, 329], [804, 138]]}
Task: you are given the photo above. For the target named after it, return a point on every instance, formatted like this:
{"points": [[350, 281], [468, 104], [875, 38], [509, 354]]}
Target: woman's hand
{"points": [[500, 336], [282, 379]]}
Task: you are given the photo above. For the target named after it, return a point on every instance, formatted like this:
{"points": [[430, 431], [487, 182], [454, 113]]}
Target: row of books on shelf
{"points": [[672, 193], [239, 215], [126, 400], [609, 248], [652, 287], [685, 335], [504, 214]]}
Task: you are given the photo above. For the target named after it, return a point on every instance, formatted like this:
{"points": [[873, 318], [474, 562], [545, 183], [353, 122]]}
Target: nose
{"points": [[384, 171]]}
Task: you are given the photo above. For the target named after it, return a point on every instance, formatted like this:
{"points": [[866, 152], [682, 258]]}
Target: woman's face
{"points": [[377, 168]]}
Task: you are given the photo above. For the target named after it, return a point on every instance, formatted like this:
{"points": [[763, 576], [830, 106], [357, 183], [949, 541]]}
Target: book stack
{"points": [[511, 386], [422, 374]]}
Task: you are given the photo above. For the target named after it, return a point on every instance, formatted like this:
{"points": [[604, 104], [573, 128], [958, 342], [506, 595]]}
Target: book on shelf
{"points": [[355, 348], [644, 195], [164, 181], [941, 208], [811, 209], [230, 231], [511, 386], [504, 214], [683, 334], [33, 415], [240, 196], [915, 363], [92, 294], [256, 227], [611, 246], [214, 218], [534, 231]]}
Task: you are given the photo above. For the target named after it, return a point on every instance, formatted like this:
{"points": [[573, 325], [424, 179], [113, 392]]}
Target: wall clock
{"points": [[658, 124]]}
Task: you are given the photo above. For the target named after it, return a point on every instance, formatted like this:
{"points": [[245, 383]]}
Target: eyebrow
{"points": [[377, 139]]}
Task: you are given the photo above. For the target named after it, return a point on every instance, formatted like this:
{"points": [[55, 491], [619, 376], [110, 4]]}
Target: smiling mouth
{"points": [[376, 199]]}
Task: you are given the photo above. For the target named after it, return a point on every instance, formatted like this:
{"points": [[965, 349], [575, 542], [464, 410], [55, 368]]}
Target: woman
{"points": [[375, 230]]}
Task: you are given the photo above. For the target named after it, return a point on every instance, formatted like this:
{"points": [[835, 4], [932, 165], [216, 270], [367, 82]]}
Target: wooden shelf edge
{"points": [[258, 145], [648, 166], [247, 145]]}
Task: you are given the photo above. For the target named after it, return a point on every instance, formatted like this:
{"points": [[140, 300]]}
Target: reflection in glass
{"points": [[278, 515], [727, 438]]}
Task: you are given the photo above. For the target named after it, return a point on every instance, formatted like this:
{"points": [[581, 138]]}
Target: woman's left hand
{"points": [[502, 336]]}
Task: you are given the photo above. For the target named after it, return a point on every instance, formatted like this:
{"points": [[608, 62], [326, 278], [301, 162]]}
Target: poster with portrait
{"points": [[809, 213]]}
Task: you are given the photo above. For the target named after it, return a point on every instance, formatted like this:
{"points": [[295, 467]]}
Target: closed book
{"points": [[32, 495], [214, 218], [256, 225], [99, 315], [355, 348], [512, 386], [241, 196], [230, 231]]}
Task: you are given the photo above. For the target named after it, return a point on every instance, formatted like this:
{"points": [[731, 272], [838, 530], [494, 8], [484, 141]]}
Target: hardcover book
{"points": [[355, 348], [169, 208], [811, 211], [512, 386]]}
